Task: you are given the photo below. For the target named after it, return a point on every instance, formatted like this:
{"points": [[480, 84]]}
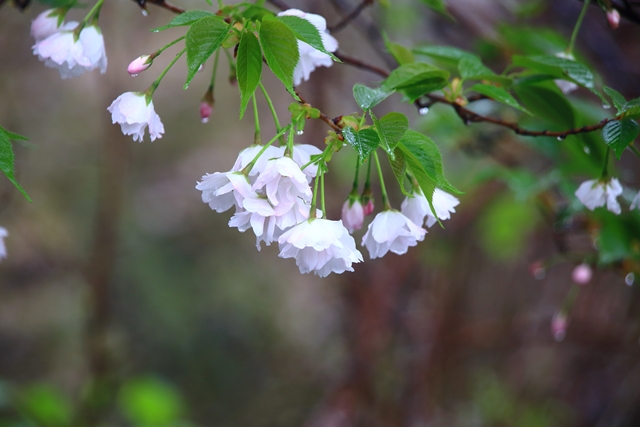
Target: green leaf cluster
{"points": [[7, 157]]}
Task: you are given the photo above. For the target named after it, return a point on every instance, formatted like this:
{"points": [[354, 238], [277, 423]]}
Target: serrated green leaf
{"points": [[367, 97], [500, 95], [248, 68], [391, 128], [448, 53], [617, 98], [631, 109], [203, 38], [545, 101], [399, 167], [7, 158], [256, 13], [307, 32], [415, 80], [619, 134], [280, 49], [470, 67], [364, 141], [558, 67], [186, 18]]}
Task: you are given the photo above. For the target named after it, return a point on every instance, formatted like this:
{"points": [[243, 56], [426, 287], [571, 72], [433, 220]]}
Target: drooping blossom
{"points": [[582, 274], [391, 231], [635, 203], [72, 57], [352, 213], [320, 246], [613, 18], [594, 193], [302, 156], [133, 114], [45, 25], [218, 190], [416, 208], [311, 58], [283, 183], [3, 249], [139, 64]]}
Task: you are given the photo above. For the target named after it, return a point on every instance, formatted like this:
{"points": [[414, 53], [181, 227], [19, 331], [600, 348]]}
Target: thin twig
{"points": [[353, 15], [328, 120], [160, 3]]}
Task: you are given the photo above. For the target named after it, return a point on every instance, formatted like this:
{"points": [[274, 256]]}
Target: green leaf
{"points": [[280, 49], [631, 109], [7, 158], [447, 53], [364, 141], [401, 54], [546, 102], [203, 38], [186, 18], [500, 95], [150, 402], [248, 68], [367, 97], [254, 12], [471, 67], [44, 405], [559, 67], [614, 240], [619, 134], [307, 32], [391, 128], [399, 167], [617, 98], [415, 80], [427, 154]]}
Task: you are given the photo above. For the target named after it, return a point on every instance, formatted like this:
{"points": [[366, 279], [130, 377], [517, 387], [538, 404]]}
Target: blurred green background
{"points": [[126, 301]]}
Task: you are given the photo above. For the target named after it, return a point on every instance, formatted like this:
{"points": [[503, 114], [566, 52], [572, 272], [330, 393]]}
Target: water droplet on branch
{"points": [[629, 279], [423, 111], [145, 13], [561, 138]]}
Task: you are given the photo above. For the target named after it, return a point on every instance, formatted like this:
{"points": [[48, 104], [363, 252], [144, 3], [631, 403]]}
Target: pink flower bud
{"points": [[44, 25], [368, 207], [559, 323], [139, 64], [352, 214], [613, 17], [205, 111], [582, 274]]}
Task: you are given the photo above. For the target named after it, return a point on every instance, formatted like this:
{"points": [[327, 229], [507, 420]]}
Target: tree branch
{"points": [[328, 120], [350, 17], [160, 3]]}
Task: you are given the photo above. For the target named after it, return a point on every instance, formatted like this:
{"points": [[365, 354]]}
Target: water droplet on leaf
{"points": [[423, 111], [587, 150], [629, 279], [299, 132], [201, 67], [606, 106]]}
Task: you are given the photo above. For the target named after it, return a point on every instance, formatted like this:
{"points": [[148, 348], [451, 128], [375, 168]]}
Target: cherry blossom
{"points": [[391, 231], [45, 25], [352, 214], [320, 246], [139, 64], [311, 58], [73, 57], [134, 114], [594, 193], [416, 208]]}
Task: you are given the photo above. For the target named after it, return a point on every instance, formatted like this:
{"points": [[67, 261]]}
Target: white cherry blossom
{"points": [[320, 246], [416, 208], [284, 184], [133, 114], [3, 249], [594, 193], [391, 231], [72, 57], [352, 214], [45, 25], [311, 58]]}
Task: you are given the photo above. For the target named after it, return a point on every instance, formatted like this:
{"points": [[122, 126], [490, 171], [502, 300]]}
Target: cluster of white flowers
{"points": [[60, 47], [597, 193], [273, 198]]}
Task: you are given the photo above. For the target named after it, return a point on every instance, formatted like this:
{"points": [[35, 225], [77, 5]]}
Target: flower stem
{"points": [[248, 168], [574, 35], [257, 139], [272, 109], [93, 14], [383, 189], [215, 69], [312, 211], [162, 49], [354, 189], [322, 193], [149, 92], [605, 168], [220, 4]]}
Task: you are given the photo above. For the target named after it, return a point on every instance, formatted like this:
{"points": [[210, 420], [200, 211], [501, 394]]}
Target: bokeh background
{"points": [[126, 301]]}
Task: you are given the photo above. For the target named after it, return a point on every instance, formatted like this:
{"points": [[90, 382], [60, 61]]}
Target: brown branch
{"points": [[350, 17], [160, 3], [328, 120]]}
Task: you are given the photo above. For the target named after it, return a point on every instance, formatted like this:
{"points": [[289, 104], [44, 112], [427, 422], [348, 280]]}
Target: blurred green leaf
{"points": [[415, 80], [45, 405], [448, 53], [614, 239], [547, 102], [400, 53], [619, 134], [7, 158], [470, 67], [438, 6], [150, 402], [617, 98]]}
